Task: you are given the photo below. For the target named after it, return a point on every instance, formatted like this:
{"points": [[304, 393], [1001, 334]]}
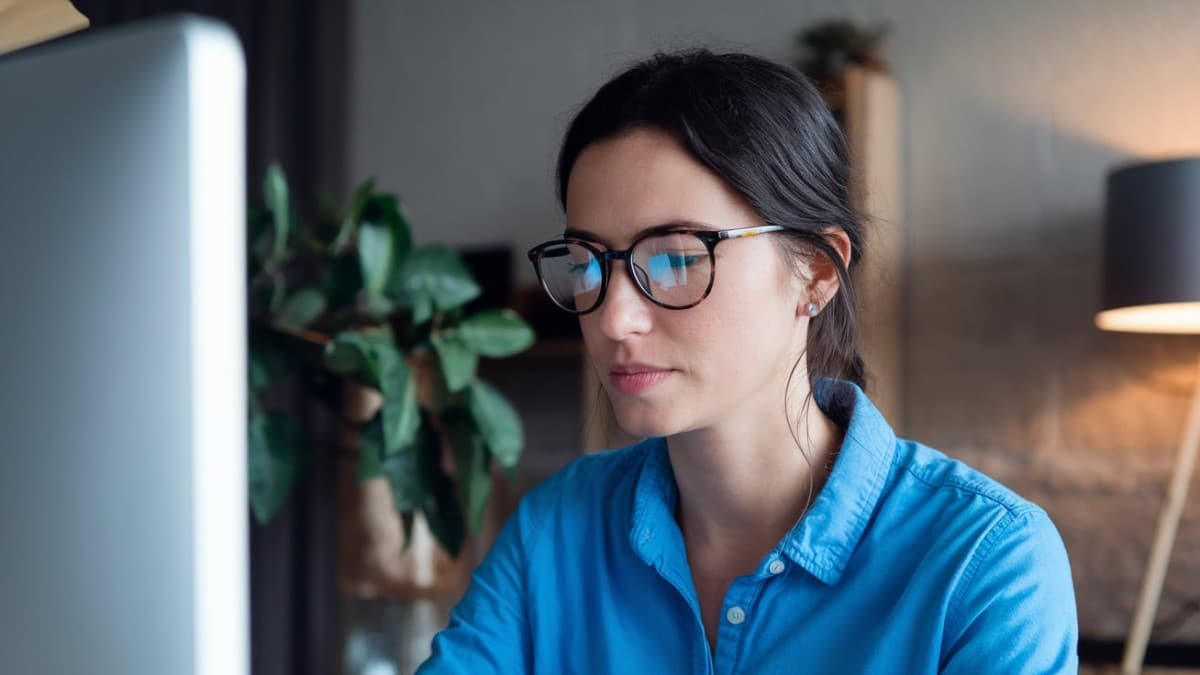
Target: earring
{"points": [[812, 309]]}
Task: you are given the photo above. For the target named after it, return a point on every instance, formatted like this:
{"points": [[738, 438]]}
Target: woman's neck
{"points": [[744, 484]]}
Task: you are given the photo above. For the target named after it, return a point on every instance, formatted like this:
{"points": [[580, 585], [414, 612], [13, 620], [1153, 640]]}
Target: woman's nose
{"points": [[625, 311]]}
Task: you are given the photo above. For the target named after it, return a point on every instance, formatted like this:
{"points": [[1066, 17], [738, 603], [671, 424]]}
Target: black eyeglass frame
{"points": [[605, 257]]}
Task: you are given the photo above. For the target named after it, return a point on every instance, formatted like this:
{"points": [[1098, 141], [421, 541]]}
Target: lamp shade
{"points": [[1152, 248]]}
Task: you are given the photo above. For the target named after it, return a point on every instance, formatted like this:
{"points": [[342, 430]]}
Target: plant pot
{"points": [[373, 557]]}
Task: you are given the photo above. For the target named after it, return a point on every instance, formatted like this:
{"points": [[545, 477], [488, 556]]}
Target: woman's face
{"points": [[670, 371]]}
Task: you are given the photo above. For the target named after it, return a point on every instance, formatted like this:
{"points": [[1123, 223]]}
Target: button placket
{"points": [[739, 604]]}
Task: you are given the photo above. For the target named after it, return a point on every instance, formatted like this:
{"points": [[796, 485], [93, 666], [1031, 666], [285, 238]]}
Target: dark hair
{"points": [[764, 129]]}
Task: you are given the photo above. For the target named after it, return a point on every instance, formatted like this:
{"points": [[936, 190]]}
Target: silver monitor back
{"points": [[123, 512]]}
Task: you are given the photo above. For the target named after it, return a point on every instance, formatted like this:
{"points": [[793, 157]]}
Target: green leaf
{"points": [[432, 277], [268, 362], [496, 333], [260, 371], [404, 472], [387, 210], [382, 210], [301, 308], [349, 353], [259, 377], [377, 306], [375, 256], [401, 415], [422, 310], [457, 361], [275, 193], [353, 216], [441, 506], [498, 423], [474, 467], [370, 449], [384, 241], [275, 458], [258, 220], [440, 397], [342, 280]]}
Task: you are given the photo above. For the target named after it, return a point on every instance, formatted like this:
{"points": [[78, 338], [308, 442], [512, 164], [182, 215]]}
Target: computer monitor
{"points": [[123, 508]]}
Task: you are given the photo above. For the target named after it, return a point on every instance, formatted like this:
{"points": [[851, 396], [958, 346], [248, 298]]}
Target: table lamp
{"points": [[1152, 285]]}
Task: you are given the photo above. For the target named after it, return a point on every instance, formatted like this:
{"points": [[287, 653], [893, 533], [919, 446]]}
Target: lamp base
{"points": [[1164, 539]]}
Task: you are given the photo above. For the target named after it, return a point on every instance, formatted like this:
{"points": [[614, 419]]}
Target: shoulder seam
{"points": [[1020, 506], [981, 553]]}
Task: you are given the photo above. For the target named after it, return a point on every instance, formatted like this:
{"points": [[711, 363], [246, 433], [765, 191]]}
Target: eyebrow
{"points": [[579, 233]]}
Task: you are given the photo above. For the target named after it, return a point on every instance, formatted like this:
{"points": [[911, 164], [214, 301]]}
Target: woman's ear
{"points": [[824, 281]]}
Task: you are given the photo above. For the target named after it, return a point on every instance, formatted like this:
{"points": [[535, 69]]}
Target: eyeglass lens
{"points": [[674, 269]]}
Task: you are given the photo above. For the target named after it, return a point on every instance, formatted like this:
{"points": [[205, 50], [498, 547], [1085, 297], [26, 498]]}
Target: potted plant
{"points": [[836, 43], [345, 308]]}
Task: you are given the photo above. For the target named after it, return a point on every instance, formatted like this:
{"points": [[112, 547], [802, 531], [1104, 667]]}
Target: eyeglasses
{"points": [[673, 268]]}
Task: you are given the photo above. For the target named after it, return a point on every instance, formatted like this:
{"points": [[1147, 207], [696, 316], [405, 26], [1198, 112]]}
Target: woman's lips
{"points": [[636, 380]]}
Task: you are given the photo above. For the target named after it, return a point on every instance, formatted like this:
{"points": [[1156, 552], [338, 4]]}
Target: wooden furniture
{"points": [[871, 119], [28, 22]]}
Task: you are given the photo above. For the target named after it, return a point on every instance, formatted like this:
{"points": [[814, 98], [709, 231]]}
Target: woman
{"points": [[709, 254]]}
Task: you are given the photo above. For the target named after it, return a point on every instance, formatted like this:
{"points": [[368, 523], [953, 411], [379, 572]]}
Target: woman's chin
{"points": [[641, 422]]}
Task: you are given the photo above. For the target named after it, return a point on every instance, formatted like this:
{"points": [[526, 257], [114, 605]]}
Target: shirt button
{"points": [[735, 615], [776, 566]]}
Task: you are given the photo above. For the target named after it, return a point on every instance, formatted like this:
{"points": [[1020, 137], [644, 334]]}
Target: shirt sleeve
{"points": [[1014, 610], [489, 628]]}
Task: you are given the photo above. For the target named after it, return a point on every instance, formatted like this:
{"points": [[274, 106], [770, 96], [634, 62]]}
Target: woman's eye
{"points": [[681, 260], [578, 268]]}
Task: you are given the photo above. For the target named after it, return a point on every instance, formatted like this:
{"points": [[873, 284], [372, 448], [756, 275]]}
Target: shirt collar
{"points": [[825, 538], [652, 524]]}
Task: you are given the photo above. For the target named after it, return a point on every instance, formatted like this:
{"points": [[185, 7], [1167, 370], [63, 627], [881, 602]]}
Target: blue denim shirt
{"points": [[906, 562]]}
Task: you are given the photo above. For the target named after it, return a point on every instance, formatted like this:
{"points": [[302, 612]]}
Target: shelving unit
{"points": [[871, 119]]}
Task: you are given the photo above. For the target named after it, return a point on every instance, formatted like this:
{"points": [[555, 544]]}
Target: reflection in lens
{"points": [[571, 275], [676, 268]]}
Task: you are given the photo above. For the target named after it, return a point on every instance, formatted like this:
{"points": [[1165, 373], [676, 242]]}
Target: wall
{"points": [[1013, 113]]}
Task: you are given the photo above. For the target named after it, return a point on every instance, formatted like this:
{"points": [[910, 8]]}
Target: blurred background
{"points": [[985, 140]]}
